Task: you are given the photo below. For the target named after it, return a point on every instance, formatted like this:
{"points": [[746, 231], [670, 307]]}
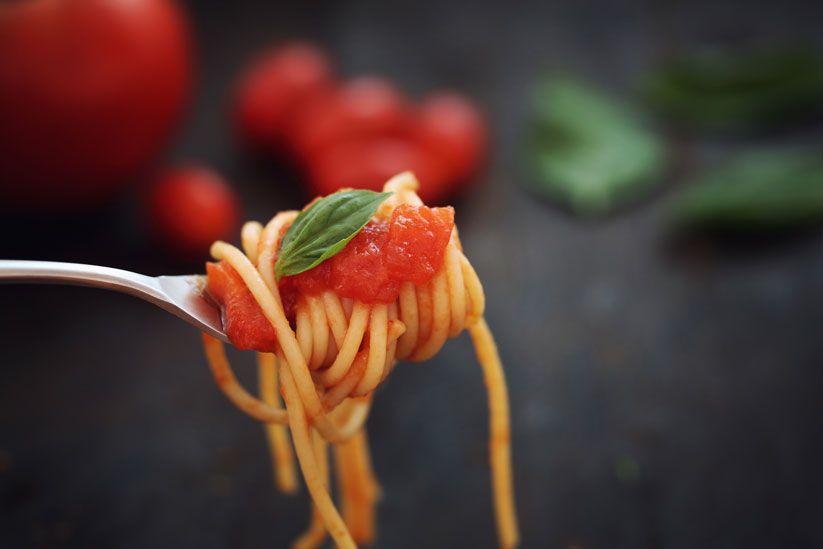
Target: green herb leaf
{"points": [[324, 228], [733, 92], [589, 151], [761, 190]]}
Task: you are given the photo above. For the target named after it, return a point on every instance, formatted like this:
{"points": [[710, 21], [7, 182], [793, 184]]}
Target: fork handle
{"points": [[160, 291], [54, 272]]}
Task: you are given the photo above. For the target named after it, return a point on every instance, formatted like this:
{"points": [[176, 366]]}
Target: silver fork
{"points": [[183, 296]]}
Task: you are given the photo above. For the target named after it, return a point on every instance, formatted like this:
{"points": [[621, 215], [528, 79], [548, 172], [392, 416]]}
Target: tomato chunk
{"points": [[416, 242], [243, 319], [359, 270], [313, 281]]}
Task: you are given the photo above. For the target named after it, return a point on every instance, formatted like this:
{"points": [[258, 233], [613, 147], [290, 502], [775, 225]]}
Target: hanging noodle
{"points": [[338, 353]]}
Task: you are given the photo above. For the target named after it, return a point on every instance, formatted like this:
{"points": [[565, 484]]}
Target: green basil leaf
{"points": [[589, 151], [726, 91], [324, 228], [757, 190]]}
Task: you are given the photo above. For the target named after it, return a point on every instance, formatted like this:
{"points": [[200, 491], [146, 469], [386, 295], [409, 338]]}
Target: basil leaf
{"points": [[589, 151], [324, 228], [757, 190], [724, 91]]}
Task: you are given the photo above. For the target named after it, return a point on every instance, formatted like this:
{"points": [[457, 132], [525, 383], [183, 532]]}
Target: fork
{"points": [[183, 296]]}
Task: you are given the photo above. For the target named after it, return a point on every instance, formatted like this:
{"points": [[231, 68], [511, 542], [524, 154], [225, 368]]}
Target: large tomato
{"points": [[89, 92]]}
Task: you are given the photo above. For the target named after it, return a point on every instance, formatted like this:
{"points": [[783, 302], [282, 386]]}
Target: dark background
{"points": [[662, 395]]}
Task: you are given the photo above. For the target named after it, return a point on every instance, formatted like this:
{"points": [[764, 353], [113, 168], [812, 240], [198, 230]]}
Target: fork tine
{"points": [[191, 303]]}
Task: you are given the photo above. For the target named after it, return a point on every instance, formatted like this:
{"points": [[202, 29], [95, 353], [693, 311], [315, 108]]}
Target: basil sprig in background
{"points": [[324, 228], [727, 91], [594, 153], [765, 189], [588, 150]]}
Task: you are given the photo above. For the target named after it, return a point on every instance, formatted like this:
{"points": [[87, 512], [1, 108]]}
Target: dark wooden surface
{"points": [[661, 397]]}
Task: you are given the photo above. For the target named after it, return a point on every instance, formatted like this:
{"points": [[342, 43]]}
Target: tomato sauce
{"points": [[370, 268], [243, 319]]}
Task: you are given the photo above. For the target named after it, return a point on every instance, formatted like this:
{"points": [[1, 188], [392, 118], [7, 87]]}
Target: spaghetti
{"points": [[339, 351]]}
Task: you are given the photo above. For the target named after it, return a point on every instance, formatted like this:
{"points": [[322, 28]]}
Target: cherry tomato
{"points": [[369, 163], [89, 92], [273, 88], [190, 207], [361, 108], [454, 129]]}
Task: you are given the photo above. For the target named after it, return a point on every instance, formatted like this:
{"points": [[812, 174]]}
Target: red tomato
{"points": [[89, 91], [359, 270], [273, 87], [243, 319], [363, 107], [417, 240], [454, 129], [369, 163], [189, 208]]}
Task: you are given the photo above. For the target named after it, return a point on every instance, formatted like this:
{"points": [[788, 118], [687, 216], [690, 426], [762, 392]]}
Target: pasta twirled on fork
{"points": [[329, 353]]}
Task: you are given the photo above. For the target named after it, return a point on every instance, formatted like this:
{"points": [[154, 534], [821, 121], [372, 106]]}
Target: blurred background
{"points": [[638, 184]]}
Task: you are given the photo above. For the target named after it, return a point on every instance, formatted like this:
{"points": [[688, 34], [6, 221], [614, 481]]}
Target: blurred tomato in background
{"points": [[189, 207], [357, 132], [361, 108], [273, 87], [369, 163], [453, 129], [90, 90]]}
